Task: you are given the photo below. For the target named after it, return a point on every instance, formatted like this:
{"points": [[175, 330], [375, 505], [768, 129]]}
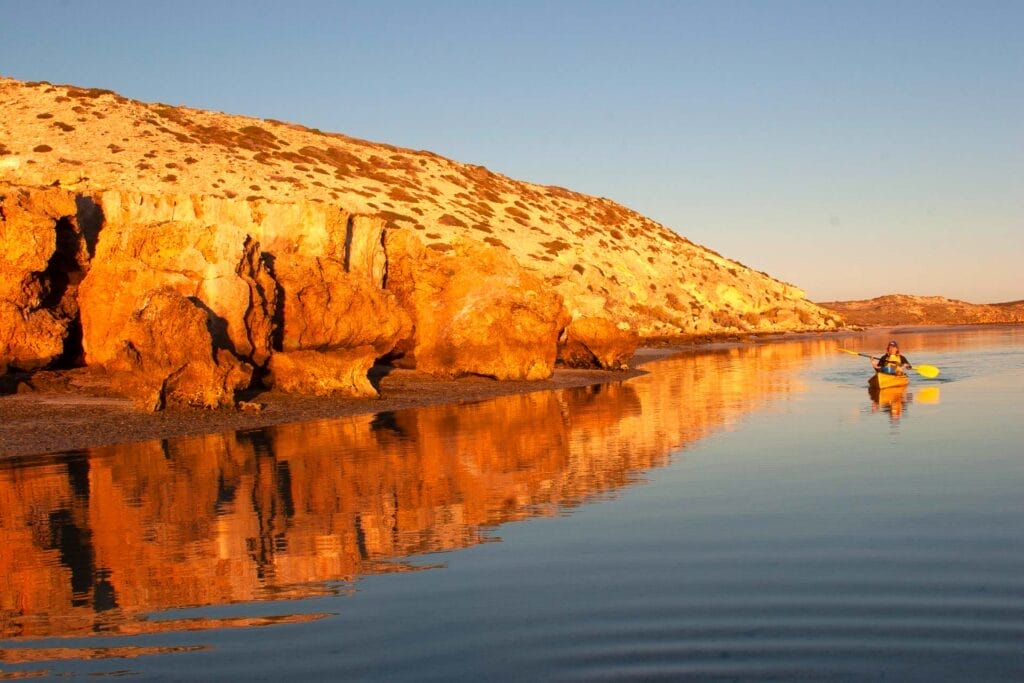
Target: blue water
{"points": [[747, 514]]}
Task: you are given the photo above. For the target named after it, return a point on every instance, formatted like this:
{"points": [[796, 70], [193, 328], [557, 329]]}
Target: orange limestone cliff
{"points": [[309, 256]]}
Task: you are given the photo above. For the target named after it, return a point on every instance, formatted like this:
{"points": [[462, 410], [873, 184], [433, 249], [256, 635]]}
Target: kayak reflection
{"points": [[895, 400], [890, 400]]}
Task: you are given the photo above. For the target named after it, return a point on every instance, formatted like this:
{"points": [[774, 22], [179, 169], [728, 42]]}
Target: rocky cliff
{"points": [[192, 253], [904, 309]]}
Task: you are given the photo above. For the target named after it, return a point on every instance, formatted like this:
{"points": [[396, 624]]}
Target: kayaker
{"points": [[892, 361]]}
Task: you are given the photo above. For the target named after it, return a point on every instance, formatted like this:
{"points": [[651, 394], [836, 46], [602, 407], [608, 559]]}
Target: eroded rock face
{"points": [[43, 256], [218, 266], [597, 342], [166, 356], [475, 310], [335, 325]]}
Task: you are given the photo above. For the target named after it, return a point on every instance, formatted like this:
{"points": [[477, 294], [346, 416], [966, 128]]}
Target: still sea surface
{"points": [[743, 513]]}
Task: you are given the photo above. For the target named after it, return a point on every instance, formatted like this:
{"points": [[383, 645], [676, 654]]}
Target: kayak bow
{"points": [[881, 380]]}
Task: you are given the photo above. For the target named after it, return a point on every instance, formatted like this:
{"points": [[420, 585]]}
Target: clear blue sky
{"points": [[804, 139]]}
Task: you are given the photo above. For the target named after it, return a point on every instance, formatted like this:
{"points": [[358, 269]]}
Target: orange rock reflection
{"points": [[94, 542]]}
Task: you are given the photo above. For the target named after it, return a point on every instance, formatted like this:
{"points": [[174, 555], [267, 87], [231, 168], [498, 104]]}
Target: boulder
{"points": [[324, 373], [166, 356], [335, 326], [218, 267], [597, 343], [29, 342], [475, 310]]}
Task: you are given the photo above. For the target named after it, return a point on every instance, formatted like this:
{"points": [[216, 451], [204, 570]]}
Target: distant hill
{"points": [[905, 309]]}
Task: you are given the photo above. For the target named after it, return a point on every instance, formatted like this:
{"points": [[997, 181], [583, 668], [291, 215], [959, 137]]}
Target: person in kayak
{"points": [[892, 361]]}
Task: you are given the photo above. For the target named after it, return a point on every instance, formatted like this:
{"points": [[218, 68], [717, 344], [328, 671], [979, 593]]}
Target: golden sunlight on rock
{"points": [[269, 227]]}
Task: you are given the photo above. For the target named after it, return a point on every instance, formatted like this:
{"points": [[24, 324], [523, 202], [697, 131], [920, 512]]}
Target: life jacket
{"points": [[892, 364]]}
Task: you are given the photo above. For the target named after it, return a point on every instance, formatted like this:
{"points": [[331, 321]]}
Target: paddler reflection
{"points": [[890, 400], [894, 400]]}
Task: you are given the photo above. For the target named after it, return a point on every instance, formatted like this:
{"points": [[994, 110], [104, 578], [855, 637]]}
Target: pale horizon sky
{"points": [[853, 149]]}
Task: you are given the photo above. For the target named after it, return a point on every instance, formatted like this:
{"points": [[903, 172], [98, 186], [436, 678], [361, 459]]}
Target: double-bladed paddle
{"points": [[928, 371]]}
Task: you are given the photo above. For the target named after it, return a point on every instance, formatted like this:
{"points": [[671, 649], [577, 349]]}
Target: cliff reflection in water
{"points": [[93, 542]]}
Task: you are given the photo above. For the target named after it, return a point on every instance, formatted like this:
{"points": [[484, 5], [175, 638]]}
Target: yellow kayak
{"points": [[881, 380]]}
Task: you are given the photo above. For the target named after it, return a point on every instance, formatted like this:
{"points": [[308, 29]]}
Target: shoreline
{"points": [[71, 410]]}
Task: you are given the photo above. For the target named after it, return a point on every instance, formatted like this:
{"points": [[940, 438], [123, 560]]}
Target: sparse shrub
{"points": [[451, 220], [555, 246], [42, 148], [400, 195], [44, 115], [724, 318]]}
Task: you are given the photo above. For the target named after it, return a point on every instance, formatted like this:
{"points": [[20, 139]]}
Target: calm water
{"points": [[746, 514]]}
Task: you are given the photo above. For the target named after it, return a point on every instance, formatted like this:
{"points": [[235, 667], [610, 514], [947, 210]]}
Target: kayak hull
{"points": [[880, 380]]}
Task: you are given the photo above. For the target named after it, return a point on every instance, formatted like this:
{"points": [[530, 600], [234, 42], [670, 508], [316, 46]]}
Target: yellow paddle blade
{"points": [[927, 370]]}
